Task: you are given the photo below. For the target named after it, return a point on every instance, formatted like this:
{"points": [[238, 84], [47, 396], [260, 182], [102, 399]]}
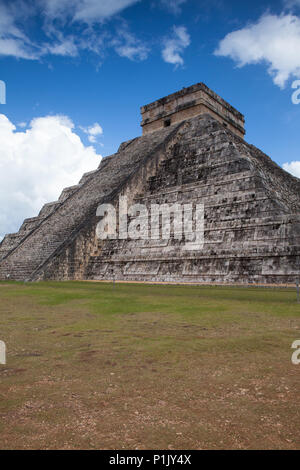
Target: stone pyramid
{"points": [[192, 151]]}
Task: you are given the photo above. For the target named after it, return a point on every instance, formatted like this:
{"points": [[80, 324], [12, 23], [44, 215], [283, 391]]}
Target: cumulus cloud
{"points": [[273, 40], [36, 164], [174, 6], [175, 44], [93, 132], [293, 168]]}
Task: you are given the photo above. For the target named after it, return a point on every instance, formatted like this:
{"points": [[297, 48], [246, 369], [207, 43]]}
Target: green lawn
{"points": [[136, 366]]}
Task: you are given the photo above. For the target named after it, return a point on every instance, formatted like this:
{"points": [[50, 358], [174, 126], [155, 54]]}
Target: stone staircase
{"points": [[39, 238]]}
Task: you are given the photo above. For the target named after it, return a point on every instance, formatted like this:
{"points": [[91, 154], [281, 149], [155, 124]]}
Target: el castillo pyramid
{"points": [[192, 149]]}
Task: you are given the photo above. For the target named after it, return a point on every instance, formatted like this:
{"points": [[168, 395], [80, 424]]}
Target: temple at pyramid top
{"points": [[187, 103]]}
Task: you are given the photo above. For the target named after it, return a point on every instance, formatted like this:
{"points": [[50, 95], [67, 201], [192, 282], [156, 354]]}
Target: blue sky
{"points": [[77, 73]]}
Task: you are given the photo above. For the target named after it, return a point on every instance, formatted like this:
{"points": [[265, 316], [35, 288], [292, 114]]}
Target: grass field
{"points": [[94, 366]]}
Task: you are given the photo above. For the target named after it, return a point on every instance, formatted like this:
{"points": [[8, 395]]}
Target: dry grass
{"points": [[91, 366]]}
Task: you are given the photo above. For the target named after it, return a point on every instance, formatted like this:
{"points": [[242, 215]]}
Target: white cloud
{"points": [[291, 3], [174, 6], [16, 48], [57, 17], [175, 44], [13, 42], [127, 45], [274, 40], [65, 47], [96, 129], [93, 132], [36, 164], [293, 168], [86, 11]]}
